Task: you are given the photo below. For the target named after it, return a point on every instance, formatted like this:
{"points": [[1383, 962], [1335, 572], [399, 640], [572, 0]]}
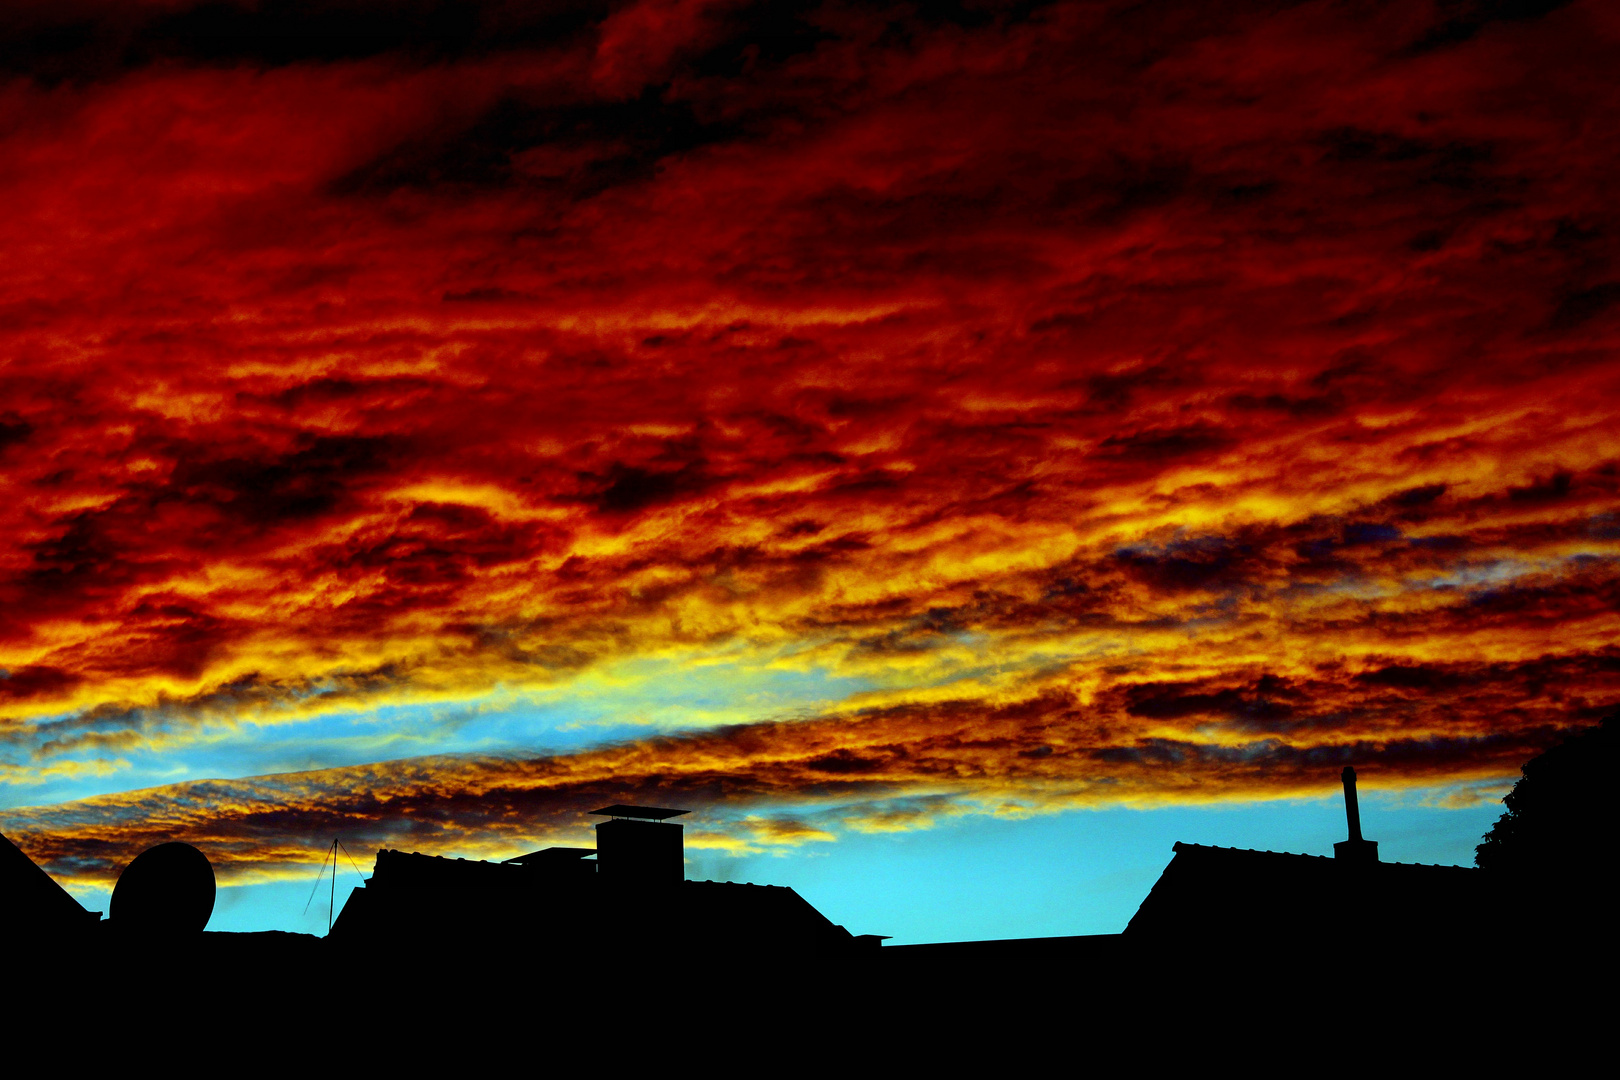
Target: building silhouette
{"points": [[1212, 897], [32, 904], [608, 954], [627, 897]]}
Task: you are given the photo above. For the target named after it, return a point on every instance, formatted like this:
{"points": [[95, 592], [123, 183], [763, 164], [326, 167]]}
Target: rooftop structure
{"points": [[1209, 895], [629, 894], [31, 902], [639, 813]]}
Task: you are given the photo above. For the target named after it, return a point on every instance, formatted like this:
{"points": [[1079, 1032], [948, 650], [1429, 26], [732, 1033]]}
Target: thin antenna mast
{"points": [[331, 904], [317, 884]]}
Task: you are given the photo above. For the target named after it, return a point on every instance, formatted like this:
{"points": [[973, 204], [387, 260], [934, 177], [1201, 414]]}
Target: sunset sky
{"points": [[954, 449]]}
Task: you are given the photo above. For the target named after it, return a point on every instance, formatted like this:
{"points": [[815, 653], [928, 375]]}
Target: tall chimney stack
{"points": [[1354, 849]]}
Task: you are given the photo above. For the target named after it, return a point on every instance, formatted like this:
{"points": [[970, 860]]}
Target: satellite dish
{"points": [[168, 889]]}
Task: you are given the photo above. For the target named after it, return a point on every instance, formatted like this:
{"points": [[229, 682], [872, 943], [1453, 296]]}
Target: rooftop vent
{"points": [[1354, 849]]}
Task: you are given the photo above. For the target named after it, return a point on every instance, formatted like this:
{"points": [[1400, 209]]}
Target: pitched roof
{"points": [[1209, 894], [411, 896], [31, 899]]}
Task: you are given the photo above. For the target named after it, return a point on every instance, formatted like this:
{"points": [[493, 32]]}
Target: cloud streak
{"points": [[1130, 741]]}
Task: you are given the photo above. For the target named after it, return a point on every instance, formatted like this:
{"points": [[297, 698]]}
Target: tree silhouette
{"points": [[1560, 815]]}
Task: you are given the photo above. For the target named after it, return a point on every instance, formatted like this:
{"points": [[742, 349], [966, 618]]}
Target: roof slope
{"points": [[30, 899], [1215, 895]]}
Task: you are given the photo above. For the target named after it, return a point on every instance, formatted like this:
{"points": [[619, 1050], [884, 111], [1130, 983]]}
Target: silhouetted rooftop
{"points": [[1239, 852], [1213, 894], [553, 902], [31, 900]]}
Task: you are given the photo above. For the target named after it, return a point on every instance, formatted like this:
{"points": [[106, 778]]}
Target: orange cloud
{"points": [[1137, 742]]}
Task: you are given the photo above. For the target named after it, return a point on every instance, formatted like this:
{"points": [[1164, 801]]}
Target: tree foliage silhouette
{"points": [[1560, 815]]}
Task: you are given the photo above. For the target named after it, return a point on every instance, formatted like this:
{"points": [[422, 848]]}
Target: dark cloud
{"points": [[1418, 496], [1164, 444], [752, 35], [630, 488], [1204, 563], [79, 38], [1415, 677], [14, 431], [1553, 487], [587, 147], [1457, 21], [35, 680], [1453, 164], [1317, 405], [280, 489]]}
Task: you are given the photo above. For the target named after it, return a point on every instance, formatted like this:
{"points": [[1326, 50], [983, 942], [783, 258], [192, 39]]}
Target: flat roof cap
{"points": [[650, 813], [554, 854]]}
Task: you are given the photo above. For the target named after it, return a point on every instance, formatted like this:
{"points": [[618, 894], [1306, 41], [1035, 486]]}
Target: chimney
{"points": [[639, 846], [1354, 849]]}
